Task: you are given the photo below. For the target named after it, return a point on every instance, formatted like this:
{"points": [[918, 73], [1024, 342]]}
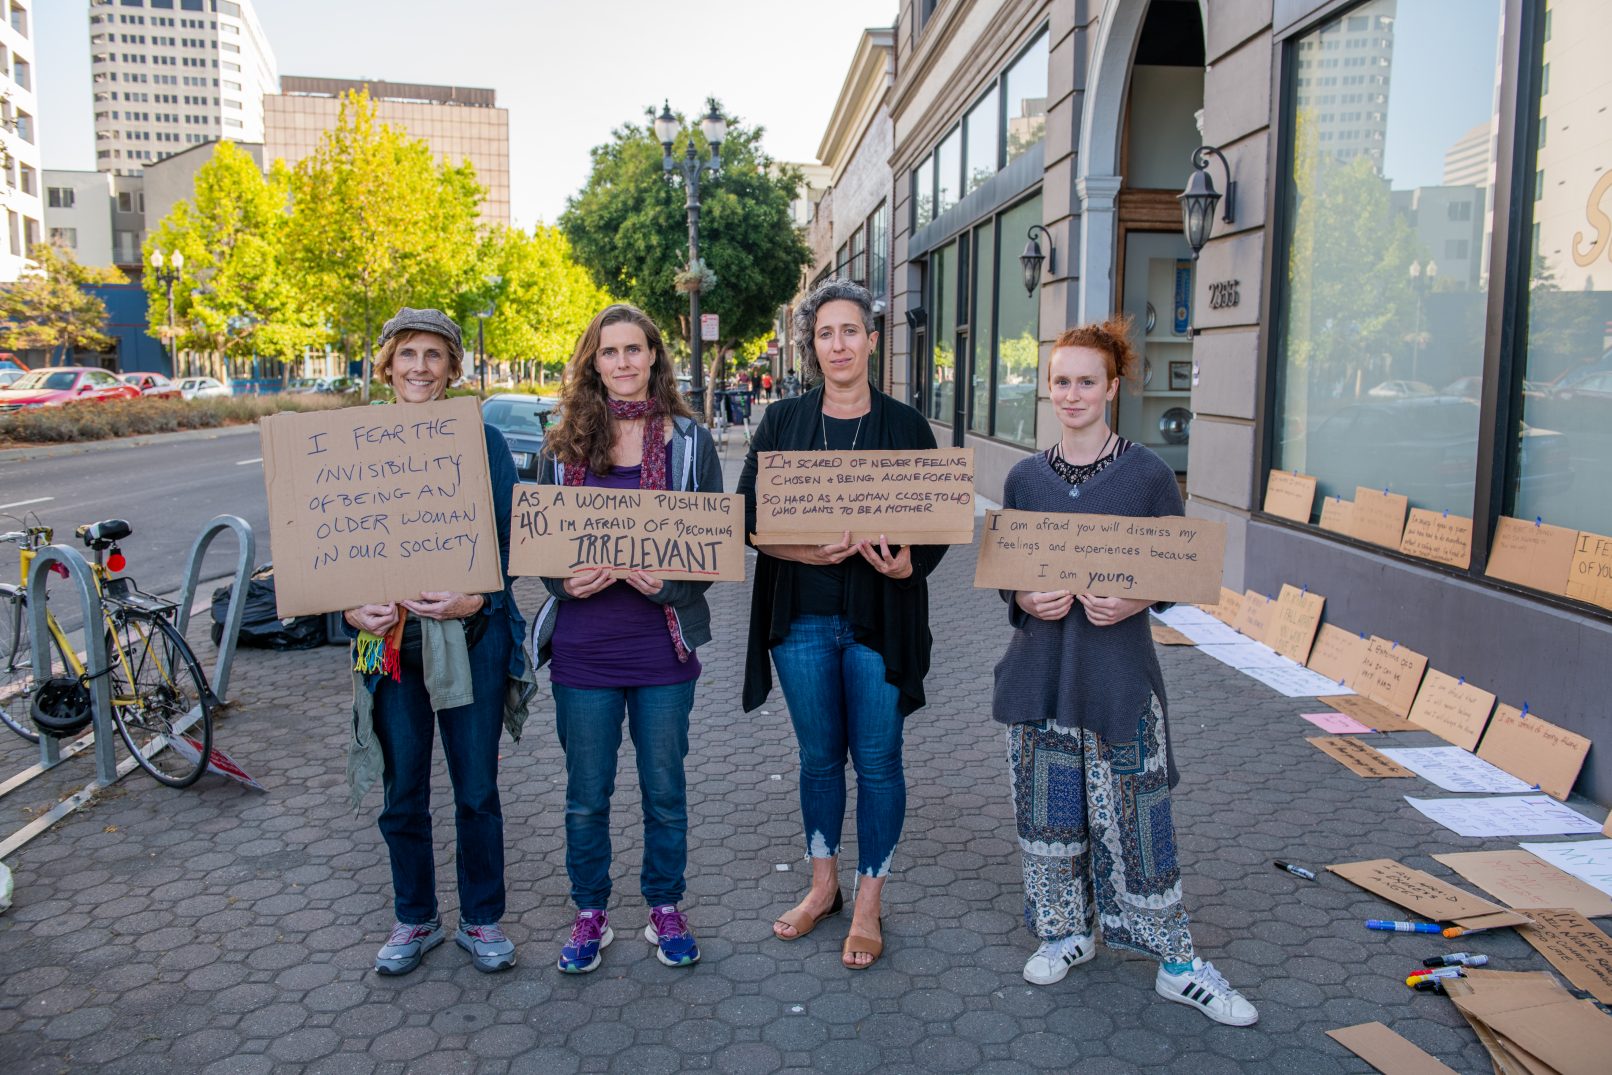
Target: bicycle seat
{"points": [[101, 535]]}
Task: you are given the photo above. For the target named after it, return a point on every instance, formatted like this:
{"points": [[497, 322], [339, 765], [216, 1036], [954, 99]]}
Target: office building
{"points": [[19, 139]]}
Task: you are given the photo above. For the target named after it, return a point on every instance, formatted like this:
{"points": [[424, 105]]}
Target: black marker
{"points": [[1296, 871]]}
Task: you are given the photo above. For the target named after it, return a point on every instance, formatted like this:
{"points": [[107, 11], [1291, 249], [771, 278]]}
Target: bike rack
{"points": [[246, 542], [79, 571]]}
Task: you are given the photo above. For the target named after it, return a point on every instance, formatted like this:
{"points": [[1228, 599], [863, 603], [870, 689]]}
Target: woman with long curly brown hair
{"points": [[624, 646]]}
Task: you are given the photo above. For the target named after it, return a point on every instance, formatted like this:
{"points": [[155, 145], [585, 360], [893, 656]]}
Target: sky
{"points": [[569, 72]]}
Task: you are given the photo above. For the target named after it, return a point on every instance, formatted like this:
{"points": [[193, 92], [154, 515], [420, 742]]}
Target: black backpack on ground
{"points": [[261, 625]]}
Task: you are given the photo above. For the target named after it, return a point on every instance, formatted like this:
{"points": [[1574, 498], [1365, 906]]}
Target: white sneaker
{"points": [[1054, 958], [1207, 990]]}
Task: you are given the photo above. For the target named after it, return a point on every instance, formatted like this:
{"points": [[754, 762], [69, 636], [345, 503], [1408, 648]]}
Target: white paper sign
{"points": [[1454, 769], [1213, 633], [1245, 654], [1296, 681], [1178, 616], [1588, 860], [1509, 815]]}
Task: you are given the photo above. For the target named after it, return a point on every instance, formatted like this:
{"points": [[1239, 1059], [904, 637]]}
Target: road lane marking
{"points": [[245, 462], [24, 503]]}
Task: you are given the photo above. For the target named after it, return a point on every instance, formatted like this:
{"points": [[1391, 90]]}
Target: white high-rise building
{"points": [[20, 188], [171, 74]]}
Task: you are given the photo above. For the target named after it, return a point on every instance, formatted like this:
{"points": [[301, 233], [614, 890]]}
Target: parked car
{"points": [[152, 385], [1401, 389], [58, 385], [306, 385], [10, 375], [202, 387], [522, 420]]}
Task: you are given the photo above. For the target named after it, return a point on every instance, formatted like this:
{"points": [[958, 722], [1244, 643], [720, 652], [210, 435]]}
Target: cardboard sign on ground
{"points": [[377, 504], [1590, 576], [1298, 616], [1386, 1051], [910, 497], [1573, 1037], [1415, 890], [1337, 654], [557, 532], [1535, 750], [1228, 609], [1170, 558], [1521, 880], [1359, 758], [1438, 536], [1337, 514], [1257, 616], [1452, 709], [1374, 715], [1290, 495], [1166, 635], [1390, 674], [1378, 517], [1533, 554], [1575, 946]]}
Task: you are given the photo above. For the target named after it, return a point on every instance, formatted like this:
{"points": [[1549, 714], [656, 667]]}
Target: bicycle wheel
{"points": [[155, 694], [17, 668]]}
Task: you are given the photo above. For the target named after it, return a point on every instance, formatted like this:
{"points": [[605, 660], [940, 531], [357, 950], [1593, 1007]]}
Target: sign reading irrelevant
{"points": [[921, 497], [1172, 558], [558, 531], [377, 504]]}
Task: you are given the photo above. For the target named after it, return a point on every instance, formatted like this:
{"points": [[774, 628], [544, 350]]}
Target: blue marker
{"points": [[1403, 927]]}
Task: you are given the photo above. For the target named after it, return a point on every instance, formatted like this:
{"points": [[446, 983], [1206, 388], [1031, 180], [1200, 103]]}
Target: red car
{"points": [[152, 385], [56, 385]]}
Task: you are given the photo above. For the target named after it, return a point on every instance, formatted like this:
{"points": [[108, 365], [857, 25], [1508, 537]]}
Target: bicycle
{"points": [[159, 692]]}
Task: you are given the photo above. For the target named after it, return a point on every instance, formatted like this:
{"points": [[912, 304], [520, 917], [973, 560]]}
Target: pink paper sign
{"points": [[1336, 723]]}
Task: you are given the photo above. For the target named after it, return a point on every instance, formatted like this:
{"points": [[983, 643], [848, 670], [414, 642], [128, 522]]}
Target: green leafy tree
{"points": [[629, 228], [544, 298], [48, 308]]}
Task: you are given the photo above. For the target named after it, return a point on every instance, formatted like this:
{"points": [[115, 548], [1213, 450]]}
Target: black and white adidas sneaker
{"points": [[1054, 958], [1207, 990]]}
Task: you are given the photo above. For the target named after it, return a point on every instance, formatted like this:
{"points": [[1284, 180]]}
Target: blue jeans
{"points": [[403, 727], [589, 723], [839, 702]]}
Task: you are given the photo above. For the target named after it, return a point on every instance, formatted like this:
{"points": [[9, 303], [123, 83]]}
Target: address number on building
{"points": [[1223, 293]]}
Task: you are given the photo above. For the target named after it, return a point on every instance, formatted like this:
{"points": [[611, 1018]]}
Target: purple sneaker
{"points": [[590, 935], [668, 931]]}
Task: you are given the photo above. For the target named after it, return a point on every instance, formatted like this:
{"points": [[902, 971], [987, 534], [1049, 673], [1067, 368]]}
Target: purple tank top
{"points": [[617, 637]]}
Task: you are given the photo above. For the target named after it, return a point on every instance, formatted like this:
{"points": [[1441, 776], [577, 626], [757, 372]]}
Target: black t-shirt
{"points": [[820, 589]]}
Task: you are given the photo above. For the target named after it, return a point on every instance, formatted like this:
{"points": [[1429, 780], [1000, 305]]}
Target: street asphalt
{"points": [[222, 930]]}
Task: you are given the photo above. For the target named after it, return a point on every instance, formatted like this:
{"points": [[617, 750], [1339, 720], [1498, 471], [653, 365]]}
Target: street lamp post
{"points": [[715, 129], [1421, 278], [168, 270]]}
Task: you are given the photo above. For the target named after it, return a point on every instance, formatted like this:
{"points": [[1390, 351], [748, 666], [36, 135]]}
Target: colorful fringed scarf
{"points": [[652, 475], [381, 653]]}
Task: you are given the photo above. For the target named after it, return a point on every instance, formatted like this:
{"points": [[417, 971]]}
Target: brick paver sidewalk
{"points": [[219, 930]]}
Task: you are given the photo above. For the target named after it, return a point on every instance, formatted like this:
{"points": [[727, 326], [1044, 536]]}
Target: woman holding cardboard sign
{"points": [[457, 663], [624, 646], [846, 624], [1083, 697]]}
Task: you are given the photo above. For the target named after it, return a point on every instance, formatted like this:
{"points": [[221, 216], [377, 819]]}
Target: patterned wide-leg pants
{"points": [[1097, 837]]}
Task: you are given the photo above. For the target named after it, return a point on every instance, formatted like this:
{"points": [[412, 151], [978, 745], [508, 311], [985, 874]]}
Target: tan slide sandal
{"points": [[858, 945], [803, 923]]}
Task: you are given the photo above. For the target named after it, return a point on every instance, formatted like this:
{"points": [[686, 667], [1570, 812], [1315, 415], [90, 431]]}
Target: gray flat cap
{"points": [[412, 320]]}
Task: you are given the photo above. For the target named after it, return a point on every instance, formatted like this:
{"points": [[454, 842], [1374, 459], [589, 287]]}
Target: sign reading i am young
{"points": [[559, 531], [923, 497], [378, 504], [1169, 558]]}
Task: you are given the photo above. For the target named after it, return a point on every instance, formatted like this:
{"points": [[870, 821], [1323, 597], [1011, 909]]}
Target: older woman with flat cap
{"points": [[475, 682]]}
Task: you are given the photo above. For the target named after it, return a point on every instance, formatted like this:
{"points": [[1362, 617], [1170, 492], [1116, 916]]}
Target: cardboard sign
{"points": [[1378, 517], [1452, 709], [1338, 654], [1359, 758], [1337, 514], [1415, 890], [1372, 714], [1438, 536], [1229, 609], [1567, 1036], [1590, 576], [1170, 558], [910, 498], [1298, 616], [1390, 674], [1257, 617], [557, 532], [377, 504], [1386, 1051], [1521, 880], [1532, 554], [1588, 860], [1575, 946], [1166, 635], [1535, 750], [1290, 495]]}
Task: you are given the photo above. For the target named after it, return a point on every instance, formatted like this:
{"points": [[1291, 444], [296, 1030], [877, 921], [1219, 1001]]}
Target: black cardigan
{"points": [[889, 616]]}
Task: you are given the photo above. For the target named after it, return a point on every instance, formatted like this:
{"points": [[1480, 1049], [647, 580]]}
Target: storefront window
{"points": [[859, 261], [1564, 450], [948, 170], [979, 337], [879, 252], [943, 333], [923, 192], [980, 132], [1380, 355], [1026, 96], [1018, 321]]}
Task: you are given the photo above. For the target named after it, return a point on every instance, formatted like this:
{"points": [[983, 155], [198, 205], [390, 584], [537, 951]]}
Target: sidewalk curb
{"points": [[56, 451]]}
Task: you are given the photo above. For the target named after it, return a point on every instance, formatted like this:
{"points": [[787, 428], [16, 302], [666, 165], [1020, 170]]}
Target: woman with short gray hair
{"points": [[846, 623]]}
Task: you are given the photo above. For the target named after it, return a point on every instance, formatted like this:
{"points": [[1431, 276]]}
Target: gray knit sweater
{"points": [[1068, 670]]}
